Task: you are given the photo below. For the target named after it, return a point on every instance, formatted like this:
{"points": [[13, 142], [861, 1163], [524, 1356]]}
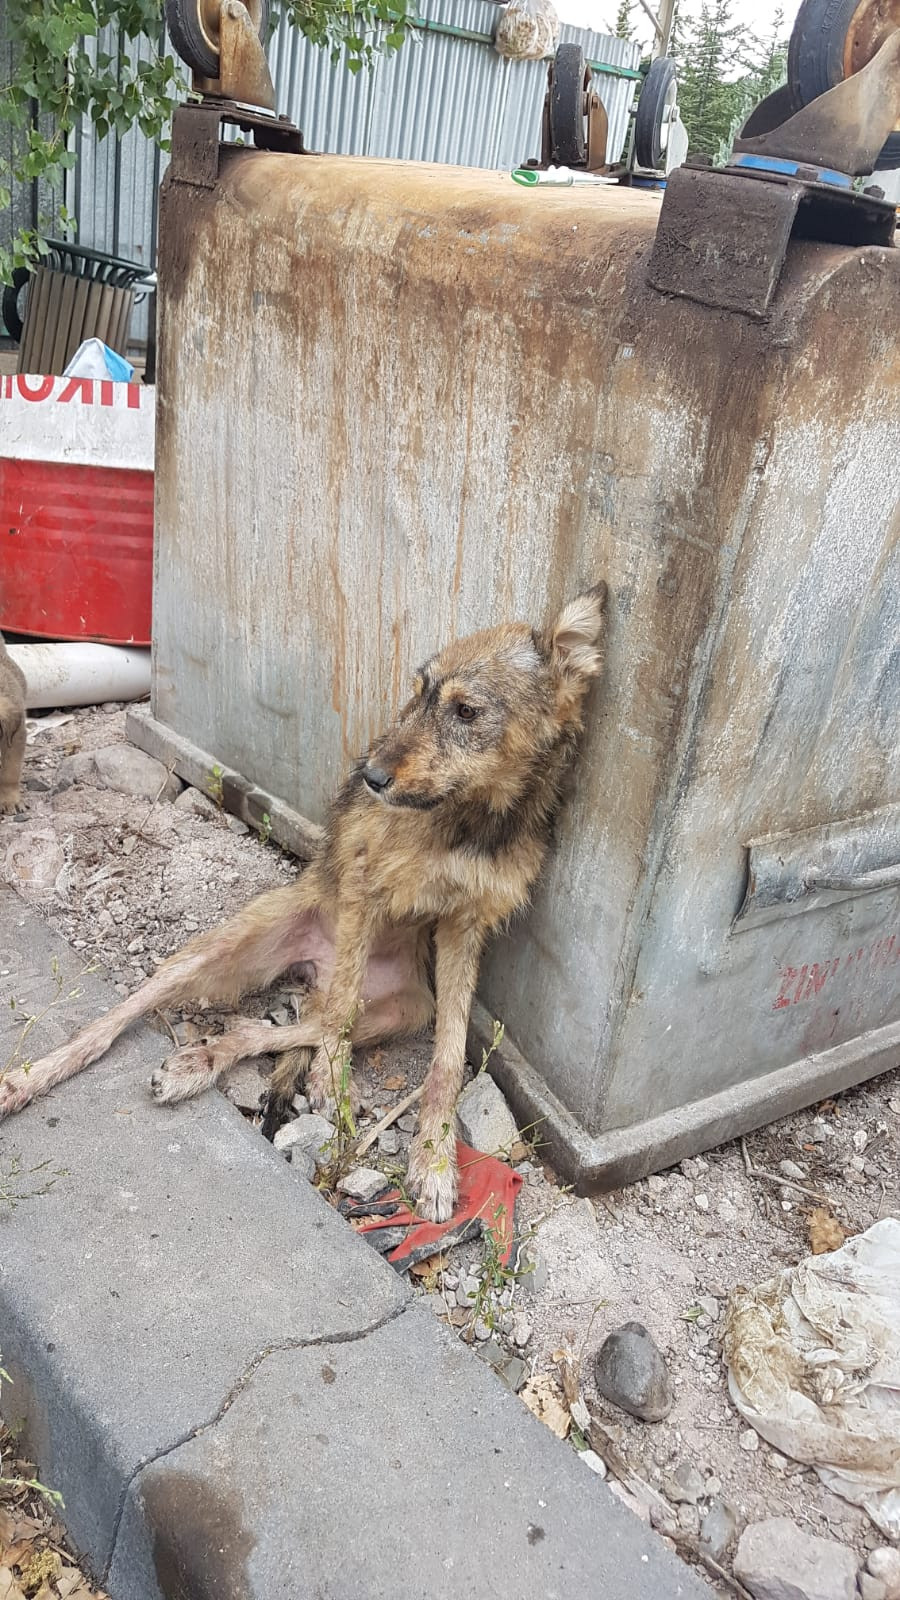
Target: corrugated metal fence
{"points": [[445, 96]]}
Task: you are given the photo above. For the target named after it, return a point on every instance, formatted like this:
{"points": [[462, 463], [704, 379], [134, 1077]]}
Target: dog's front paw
{"points": [[11, 802], [330, 1081], [432, 1175], [186, 1073]]}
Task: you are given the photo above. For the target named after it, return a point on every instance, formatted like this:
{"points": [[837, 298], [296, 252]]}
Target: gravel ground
{"points": [[127, 882]]}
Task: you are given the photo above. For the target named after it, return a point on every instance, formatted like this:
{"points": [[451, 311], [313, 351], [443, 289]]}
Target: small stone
{"points": [[710, 1306], [817, 1132], [718, 1528], [521, 1331], [407, 1122], [860, 1140], [196, 804], [513, 1373], [302, 1162], [871, 1588], [300, 1105], [481, 1329], [712, 1487], [136, 946], [389, 1142], [689, 1518], [485, 1120], [790, 1169], [776, 1560], [245, 1086], [237, 826], [701, 1201], [749, 1440], [631, 1372], [534, 1273], [493, 1353], [313, 1132], [684, 1486], [884, 1564], [656, 1184], [363, 1183], [467, 1293], [592, 1460], [280, 1016]]}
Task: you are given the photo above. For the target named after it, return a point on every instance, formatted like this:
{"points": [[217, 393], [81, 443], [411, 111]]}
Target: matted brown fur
{"points": [[12, 732], [435, 840]]}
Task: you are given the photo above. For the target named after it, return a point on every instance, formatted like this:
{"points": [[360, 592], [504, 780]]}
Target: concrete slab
{"points": [[397, 1466], [232, 1391], [176, 1248]]}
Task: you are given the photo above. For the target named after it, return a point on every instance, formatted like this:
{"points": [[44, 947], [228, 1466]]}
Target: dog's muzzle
{"points": [[376, 779]]}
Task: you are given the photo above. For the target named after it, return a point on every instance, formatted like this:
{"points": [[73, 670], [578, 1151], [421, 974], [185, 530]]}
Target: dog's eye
{"points": [[466, 713]]}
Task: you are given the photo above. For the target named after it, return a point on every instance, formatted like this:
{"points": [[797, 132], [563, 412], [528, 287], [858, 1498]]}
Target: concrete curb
{"points": [[231, 1390]]}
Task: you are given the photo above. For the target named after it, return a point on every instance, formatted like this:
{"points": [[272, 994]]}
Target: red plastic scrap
{"points": [[487, 1194]]}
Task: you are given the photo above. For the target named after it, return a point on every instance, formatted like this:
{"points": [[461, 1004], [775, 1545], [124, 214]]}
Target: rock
{"points": [[521, 1331], [689, 1519], [467, 1293], [302, 1162], [408, 1122], [710, 1306], [312, 1132], [389, 1142], [790, 1169], [196, 804], [122, 768], [749, 1440], [860, 1140], [363, 1183], [656, 1184], [245, 1086], [871, 1588], [300, 1105], [237, 826], [685, 1485], [630, 1371], [884, 1564], [533, 1272], [701, 1201], [817, 1132], [718, 1528], [776, 1560], [485, 1120], [592, 1460], [481, 1330]]}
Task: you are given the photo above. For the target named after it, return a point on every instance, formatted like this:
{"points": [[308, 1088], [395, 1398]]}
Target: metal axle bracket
{"points": [[196, 144]]}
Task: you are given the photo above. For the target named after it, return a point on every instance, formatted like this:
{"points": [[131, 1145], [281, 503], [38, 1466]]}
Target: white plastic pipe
{"points": [[81, 674]]}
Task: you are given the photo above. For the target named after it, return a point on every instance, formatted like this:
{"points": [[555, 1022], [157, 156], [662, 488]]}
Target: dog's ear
{"points": [[575, 641]]}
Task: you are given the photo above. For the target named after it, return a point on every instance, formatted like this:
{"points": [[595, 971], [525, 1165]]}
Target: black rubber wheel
{"points": [[828, 38], [13, 294], [194, 31], [568, 135], [770, 113], [656, 97]]}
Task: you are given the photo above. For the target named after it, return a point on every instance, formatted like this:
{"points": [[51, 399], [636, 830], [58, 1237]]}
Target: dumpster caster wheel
{"points": [[659, 94], [831, 40], [570, 81], [194, 30]]}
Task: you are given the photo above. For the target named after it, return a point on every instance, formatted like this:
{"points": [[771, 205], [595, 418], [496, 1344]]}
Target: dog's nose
{"points": [[376, 778]]}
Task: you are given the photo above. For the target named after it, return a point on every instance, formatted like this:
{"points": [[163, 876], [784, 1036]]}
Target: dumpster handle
{"points": [[886, 878]]}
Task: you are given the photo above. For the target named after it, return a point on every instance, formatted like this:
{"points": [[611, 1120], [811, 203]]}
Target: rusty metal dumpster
{"points": [[398, 402]]}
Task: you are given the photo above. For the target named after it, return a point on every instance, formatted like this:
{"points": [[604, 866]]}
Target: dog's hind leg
{"points": [[432, 1164], [196, 1067], [245, 953]]}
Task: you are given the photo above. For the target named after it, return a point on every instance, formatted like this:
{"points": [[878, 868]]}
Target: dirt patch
{"points": [[128, 882]]}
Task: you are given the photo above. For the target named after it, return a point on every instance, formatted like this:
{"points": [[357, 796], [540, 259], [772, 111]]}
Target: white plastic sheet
{"points": [[813, 1361]]}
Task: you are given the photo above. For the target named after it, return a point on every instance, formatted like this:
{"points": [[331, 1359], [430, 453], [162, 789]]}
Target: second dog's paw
{"points": [[15, 1091], [186, 1073], [432, 1176]]}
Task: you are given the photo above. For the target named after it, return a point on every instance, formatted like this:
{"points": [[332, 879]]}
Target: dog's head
{"points": [[487, 709]]}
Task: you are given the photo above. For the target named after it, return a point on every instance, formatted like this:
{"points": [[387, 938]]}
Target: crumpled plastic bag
{"points": [[813, 1359], [528, 30]]}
